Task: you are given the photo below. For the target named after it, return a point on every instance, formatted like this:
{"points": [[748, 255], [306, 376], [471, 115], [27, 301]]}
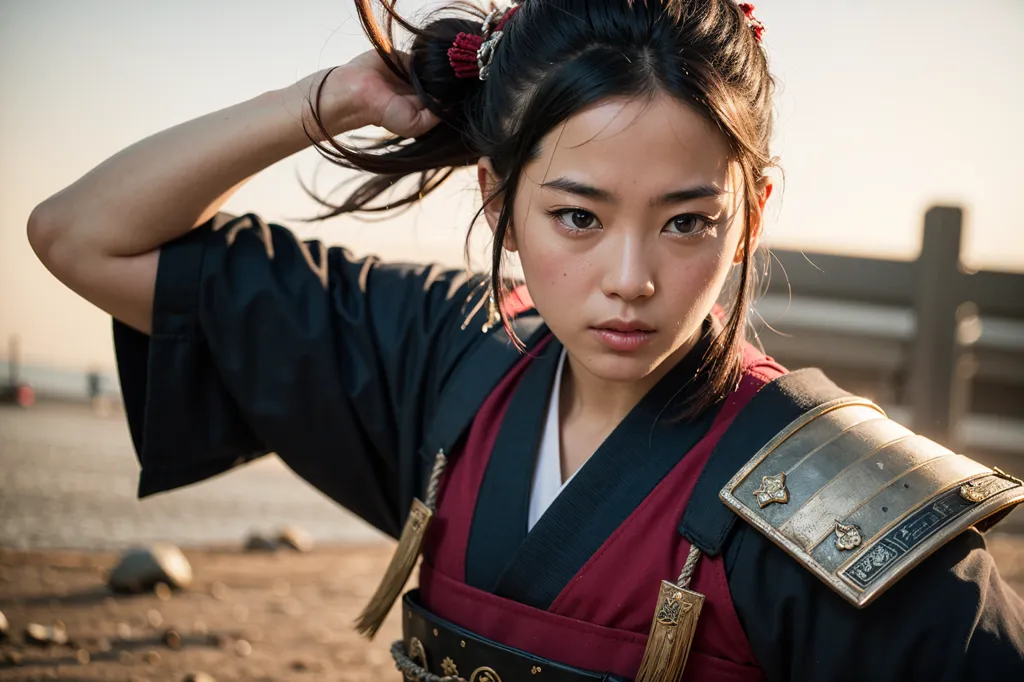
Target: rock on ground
{"points": [[141, 570]]}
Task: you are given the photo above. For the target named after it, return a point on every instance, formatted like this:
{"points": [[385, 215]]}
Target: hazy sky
{"points": [[885, 107]]}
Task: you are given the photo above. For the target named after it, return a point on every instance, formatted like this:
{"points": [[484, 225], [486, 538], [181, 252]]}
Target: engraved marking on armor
{"points": [[449, 667], [847, 537], [485, 674], [773, 489], [904, 537], [981, 489]]}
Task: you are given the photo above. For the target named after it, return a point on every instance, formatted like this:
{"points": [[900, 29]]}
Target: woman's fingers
{"points": [[405, 115]]}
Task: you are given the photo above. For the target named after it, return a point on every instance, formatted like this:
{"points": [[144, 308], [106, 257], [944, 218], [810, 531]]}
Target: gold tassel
{"points": [[493, 313], [410, 543], [673, 627]]}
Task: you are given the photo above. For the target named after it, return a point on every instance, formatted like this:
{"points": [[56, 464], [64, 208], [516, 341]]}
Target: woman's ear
{"points": [[493, 202], [765, 187]]}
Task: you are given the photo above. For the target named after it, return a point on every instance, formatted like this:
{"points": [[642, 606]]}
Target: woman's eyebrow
{"points": [[580, 189], [603, 195], [683, 195]]}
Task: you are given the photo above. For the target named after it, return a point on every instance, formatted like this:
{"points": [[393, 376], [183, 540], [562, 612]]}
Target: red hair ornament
{"points": [[753, 22], [462, 55], [470, 55]]}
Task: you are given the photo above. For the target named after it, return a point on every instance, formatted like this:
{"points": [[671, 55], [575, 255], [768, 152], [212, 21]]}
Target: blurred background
{"points": [[898, 239]]}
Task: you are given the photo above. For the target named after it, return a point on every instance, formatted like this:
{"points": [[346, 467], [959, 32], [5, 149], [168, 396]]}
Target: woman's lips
{"points": [[622, 340]]}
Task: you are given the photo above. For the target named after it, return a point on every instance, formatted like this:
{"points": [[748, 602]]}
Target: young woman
{"points": [[626, 488]]}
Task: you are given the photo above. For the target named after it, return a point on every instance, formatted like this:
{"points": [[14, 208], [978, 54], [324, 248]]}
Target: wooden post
{"points": [[965, 368], [934, 380]]}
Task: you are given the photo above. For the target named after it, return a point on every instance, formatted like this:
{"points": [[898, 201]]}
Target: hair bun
{"points": [[432, 71]]}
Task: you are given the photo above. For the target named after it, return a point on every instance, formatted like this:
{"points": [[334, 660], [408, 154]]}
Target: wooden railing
{"points": [[941, 348]]}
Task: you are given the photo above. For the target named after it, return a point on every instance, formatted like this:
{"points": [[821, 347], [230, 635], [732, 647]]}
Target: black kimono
{"points": [[355, 372]]}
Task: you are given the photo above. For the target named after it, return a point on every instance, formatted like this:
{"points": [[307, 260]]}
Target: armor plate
{"points": [[860, 500]]}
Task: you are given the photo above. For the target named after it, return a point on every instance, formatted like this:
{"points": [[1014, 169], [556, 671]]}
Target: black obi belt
{"points": [[435, 650]]}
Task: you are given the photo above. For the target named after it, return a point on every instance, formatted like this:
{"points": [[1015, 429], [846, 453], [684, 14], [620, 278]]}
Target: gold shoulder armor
{"points": [[860, 500]]}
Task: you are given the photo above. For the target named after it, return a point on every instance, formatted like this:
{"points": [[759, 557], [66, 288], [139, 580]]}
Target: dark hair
{"points": [[555, 58]]}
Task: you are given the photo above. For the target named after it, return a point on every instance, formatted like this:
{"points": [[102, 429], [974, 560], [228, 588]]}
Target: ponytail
{"points": [[404, 170]]}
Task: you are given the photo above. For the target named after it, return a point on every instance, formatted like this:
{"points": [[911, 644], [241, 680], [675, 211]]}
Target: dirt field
{"points": [[248, 616]]}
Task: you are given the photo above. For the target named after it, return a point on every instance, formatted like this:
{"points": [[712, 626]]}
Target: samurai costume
{"points": [[817, 539]]}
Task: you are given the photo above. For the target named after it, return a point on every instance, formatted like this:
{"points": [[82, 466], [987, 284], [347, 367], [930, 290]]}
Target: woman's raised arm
{"points": [[101, 236]]}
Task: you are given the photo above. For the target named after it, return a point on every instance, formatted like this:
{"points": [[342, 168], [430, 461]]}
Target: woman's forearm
{"points": [[160, 187]]}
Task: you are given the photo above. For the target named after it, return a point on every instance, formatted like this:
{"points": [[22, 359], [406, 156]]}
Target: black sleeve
{"points": [[950, 618], [264, 343]]}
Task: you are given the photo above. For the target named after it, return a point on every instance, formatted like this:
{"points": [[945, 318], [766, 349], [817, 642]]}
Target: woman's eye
{"points": [[576, 219], [688, 224]]}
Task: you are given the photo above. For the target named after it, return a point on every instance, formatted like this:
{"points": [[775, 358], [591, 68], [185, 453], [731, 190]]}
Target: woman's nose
{"points": [[628, 273]]}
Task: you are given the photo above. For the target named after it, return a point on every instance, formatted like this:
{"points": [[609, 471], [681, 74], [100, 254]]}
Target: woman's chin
{"points": [[620, 367]]}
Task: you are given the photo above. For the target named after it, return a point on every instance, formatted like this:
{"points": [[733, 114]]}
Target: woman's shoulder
{"points": [[853, 496]]}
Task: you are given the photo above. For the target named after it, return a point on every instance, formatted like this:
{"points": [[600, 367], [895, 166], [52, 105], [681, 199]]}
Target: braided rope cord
{"points": [[689, 567], [435, 479]]}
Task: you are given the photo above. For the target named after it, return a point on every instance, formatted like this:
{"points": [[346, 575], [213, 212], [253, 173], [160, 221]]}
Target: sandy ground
{"points": [[247, 616]]}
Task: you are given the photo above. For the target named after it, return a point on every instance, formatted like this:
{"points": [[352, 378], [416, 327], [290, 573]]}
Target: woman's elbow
{"points": [[51, 237], [42, 230]]}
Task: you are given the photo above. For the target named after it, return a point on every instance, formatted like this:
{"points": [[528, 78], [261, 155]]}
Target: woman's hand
{"points": [[365, 92]]}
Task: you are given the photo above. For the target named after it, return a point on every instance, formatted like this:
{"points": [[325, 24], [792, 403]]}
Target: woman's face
{"points": [[627, 225]]}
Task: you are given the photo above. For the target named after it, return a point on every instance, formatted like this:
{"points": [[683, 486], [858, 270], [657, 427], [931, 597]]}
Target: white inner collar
{"points": [[547, 475]]}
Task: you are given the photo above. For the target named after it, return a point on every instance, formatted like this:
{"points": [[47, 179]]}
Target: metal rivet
{"points": [[463, 644], [435, 632]]}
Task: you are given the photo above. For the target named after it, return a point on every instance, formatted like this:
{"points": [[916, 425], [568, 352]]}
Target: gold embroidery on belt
{"points": [[449, 667], [485, 674]]}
